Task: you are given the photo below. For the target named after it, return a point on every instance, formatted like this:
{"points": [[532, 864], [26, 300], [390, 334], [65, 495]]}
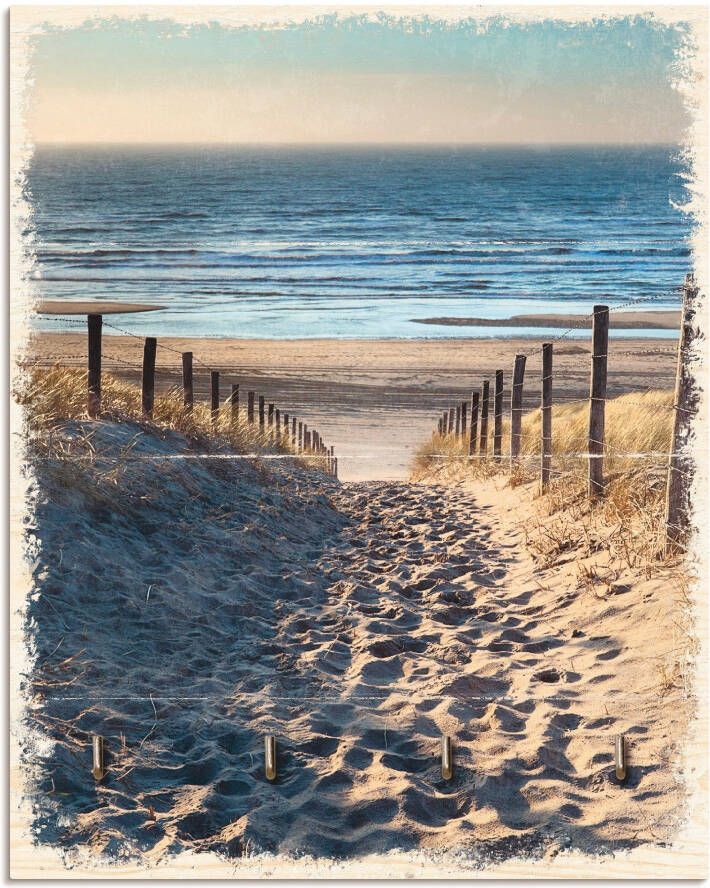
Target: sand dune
{"points": [[188, 609]]}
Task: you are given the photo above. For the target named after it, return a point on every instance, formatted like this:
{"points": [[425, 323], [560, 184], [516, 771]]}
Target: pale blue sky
{"points": [[358, 80]]}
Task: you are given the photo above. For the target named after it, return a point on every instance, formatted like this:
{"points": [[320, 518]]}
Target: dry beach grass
{"points": [[55, 394]]}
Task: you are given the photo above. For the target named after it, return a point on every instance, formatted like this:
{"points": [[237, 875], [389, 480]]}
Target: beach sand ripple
{"points": [[185, 609]]}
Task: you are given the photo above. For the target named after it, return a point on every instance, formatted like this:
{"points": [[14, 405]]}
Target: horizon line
{"points": [[255, 144]]}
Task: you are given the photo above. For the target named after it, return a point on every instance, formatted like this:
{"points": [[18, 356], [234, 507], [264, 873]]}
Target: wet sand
{"points": [[621, 320], [374, 400]]}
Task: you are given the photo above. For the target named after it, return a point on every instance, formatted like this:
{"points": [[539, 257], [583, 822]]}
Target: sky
{"points": [[368, 79]]}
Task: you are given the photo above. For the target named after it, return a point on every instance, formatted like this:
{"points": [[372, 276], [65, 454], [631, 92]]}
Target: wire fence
{"points": [[277, 425], [260, 420], [473, 431]]}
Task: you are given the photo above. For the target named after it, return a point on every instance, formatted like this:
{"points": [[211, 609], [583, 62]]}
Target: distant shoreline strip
{"points": [[629, 320]]}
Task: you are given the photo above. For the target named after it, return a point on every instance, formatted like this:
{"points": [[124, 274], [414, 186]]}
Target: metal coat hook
{"points": [[97, 746], [270, 757], [620, 758], [447, 760]]}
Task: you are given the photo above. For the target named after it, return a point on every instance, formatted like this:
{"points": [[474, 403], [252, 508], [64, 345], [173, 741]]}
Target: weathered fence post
{"points": [[516, 407], [278, 421], [214, 388], [452, 414], [234, 404], [331, 462], [93, 406], [464, 411], [498, 415], [270, 414], [597, 399], [473, 437], [250, 408], [485, 402], [546, 424], [457, 428], [299, 443], [148, 377], [680, 464], [188, 394], [262, 414], [293, 432]]}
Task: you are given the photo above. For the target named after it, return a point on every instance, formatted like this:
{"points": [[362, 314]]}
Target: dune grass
{"points": [[637, 440], [58, 394], [635, 423]]}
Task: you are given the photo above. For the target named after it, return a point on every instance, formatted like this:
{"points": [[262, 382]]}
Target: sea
{"points": [[357, 242]]}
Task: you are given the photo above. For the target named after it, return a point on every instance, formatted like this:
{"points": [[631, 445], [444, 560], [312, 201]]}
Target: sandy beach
{"points": [[374, 400]]}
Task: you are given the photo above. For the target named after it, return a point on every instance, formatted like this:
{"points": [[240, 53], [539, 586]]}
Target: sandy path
{"points": [[433, 622], [357, 623]]}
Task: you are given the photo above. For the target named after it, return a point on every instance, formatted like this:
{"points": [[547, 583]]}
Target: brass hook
{"points": [[97, 746], [620, 758], [270, 757], [447, 761]]}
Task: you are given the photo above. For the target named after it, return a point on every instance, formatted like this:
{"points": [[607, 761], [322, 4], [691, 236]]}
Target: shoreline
{"points": [[157, 321], [661, 319]]}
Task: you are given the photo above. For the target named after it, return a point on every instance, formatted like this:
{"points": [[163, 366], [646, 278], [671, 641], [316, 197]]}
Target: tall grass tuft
{"points": [[638, 436], [635, 423], [55, 395]]}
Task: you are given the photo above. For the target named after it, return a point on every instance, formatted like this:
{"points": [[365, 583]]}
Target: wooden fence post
{"points": [[299, 443], [680, 463], [148, 377], [262, 415], [293, 432], [516, 407], [498, 415], [188, 394], [457, 428], [285, 428], [597, 399], [234, 404], [485, 401], [452, 413], [270, 414], [473, 437], [464, 411], [214, 387], [93, 405], [278, 421], [331, 462], [445, 422], [250, 408], [546, 424]]}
